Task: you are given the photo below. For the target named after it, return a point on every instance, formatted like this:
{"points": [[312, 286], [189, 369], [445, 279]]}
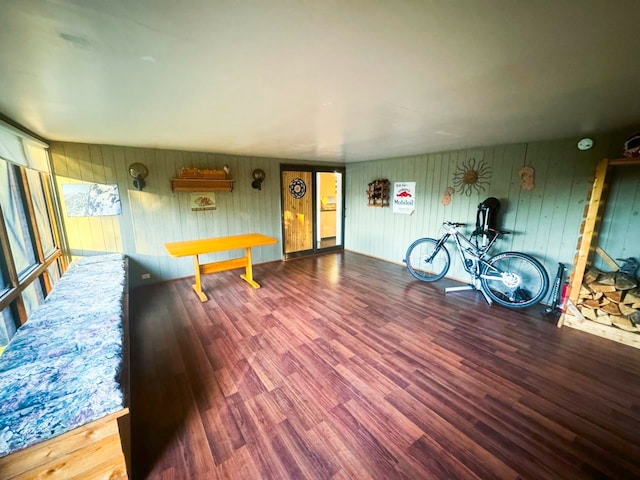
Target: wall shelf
{"points": [[201, 185], [378, 193], [201, 180]]}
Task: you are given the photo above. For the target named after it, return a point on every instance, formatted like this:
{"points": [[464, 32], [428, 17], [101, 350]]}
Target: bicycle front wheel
{"points": [[426, 261], [514, 280]]}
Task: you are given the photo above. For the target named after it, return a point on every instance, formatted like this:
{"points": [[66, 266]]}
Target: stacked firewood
{"points": [[611, 298]]}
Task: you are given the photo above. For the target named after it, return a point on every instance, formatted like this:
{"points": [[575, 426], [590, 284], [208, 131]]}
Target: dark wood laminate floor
{"points": [[343, 366]]}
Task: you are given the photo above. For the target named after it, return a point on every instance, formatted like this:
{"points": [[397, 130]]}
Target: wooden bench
{"points": [[51, 427], [92, 451]]}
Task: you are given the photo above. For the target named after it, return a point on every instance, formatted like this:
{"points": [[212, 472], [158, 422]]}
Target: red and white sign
{"points": [[404, 197]]}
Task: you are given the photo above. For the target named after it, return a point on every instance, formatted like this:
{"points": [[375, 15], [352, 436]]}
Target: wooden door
{"points": [[297, 211]]}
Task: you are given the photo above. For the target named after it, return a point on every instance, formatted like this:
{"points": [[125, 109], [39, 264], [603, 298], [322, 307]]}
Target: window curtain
{"points": [[22, 149]]}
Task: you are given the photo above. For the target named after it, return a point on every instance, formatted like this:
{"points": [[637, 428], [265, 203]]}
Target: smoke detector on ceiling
{"points": [[585, 144]]}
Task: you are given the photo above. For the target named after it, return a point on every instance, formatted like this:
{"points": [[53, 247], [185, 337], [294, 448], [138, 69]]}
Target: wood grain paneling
{"points": [[544, 221], [297, 213], [345, 367], [155, 215], [620, 227]]}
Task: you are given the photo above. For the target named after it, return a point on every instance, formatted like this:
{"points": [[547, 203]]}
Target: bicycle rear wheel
{"points": [[514, 280], [426, 261]]}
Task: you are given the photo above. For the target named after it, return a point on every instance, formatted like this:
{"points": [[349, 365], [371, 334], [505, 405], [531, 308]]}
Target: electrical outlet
{"points": [[146, 276]]}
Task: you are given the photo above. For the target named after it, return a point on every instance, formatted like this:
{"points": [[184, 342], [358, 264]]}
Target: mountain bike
{"points": [[510, 279]]}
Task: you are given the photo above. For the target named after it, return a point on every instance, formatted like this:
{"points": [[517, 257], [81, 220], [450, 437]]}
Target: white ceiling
{"points": [[344, 80]]}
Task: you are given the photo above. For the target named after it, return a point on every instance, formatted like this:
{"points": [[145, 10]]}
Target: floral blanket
{"points": [[62, 368]]}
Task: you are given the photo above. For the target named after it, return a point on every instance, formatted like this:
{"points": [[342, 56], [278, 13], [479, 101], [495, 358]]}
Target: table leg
{"points": [[248, 276], [197, 287]]}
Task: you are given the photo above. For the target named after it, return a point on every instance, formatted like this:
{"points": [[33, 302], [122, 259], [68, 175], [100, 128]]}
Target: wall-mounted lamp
{"points": [[139, 172], [258, 177]]}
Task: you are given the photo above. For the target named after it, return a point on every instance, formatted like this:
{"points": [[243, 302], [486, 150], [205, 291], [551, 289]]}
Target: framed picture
{"points": [[203, 201], [91, 199]]}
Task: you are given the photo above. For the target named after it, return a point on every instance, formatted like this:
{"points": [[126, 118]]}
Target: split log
{"points": [[602, 318], [614, 296], [610, 298], [625, 282], [589, 313], [591, 303], [623, 323], [626, 310], [632, 296], [607, 278], [598, 287], [611, 309], [584, 292], [591, 276]]}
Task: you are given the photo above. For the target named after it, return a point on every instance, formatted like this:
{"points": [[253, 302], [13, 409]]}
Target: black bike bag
{"points": [[487, 217]]}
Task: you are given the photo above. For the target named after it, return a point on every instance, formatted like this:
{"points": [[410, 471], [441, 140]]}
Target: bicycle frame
{"points": [[472, 258], [511, 279], [464, 245]]}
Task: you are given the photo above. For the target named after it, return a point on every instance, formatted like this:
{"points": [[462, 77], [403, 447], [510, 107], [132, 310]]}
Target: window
{"points": [[32, 296], [8, 324], [29, 248], [5, 285], [15, 218], [54, 273], [36, 182]]}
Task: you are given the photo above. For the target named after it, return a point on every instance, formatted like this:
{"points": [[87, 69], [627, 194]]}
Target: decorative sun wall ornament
{"points": [[471, 176]]}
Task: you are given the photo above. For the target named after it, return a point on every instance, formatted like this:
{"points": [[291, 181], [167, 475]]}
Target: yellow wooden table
{"points": [[219, 244]]}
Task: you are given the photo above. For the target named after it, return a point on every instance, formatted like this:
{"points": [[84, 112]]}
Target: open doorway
{"points": [[329, 209], [312, 209]]}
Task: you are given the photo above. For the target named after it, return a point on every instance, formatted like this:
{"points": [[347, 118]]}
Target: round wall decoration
{"points": [[471, 176], [297, 188]]}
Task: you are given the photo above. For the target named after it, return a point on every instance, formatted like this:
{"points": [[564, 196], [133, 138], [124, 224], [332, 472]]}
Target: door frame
{"points": [[314, 169]]}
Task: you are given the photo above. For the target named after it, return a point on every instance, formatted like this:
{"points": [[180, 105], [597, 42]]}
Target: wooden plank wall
{"points": [[156, 215], [544, 221], [298, 213], [620, 227]]}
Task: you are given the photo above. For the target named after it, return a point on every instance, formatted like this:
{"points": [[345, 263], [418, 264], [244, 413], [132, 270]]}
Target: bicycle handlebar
{"points": [[492, 230], [497, 230]]}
